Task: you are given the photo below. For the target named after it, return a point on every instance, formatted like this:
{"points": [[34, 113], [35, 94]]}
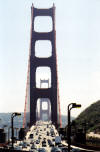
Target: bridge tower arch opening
{"points": [[44, 104], [43, 109]]}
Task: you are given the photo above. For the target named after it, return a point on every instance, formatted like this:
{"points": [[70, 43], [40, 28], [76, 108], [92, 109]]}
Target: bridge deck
{"points": [[42, 135]]}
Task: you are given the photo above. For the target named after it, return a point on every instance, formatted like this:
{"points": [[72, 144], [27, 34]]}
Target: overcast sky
{"points": [[78, 51]]}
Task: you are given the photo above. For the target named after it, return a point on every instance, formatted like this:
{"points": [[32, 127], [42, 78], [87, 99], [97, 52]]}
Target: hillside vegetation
{"points": [[90, 118]]}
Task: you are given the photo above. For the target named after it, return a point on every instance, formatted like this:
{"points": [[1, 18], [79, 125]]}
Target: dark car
{"points": [[49, 141], [64, 149], [60, 145], [56, 149], [47, 133], [43, 144], [75, 150], [31, 136], [31, 142], [39, 137], [41, 150], [37, 142], [33, 146], [51, 144]]}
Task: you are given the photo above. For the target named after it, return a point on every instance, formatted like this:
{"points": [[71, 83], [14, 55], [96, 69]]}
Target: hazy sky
{"points": [[78, 51]]}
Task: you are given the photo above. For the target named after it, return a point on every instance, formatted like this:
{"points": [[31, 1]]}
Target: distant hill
{"points": [[6, 120], [90, 117]]}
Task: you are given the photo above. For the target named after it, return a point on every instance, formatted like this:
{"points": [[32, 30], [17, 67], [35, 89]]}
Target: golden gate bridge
{"points": [[49, 94]]}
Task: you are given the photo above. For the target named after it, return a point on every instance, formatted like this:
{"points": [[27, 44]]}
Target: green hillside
{"points": [[90, 118]]}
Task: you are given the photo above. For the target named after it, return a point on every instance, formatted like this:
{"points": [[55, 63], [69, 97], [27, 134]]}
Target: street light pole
{"points": [[74, 105], [12, 117], [12, 130], [69, 129]]}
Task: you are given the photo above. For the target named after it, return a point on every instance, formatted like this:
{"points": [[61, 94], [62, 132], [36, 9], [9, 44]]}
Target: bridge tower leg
{"points": [[35, 62]]}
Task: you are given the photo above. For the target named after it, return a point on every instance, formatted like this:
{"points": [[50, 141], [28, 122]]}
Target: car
{"points": [[56, 149], [64, 149], [47, 133], [43, 144], [33, 150], [31, 136], [60, 145], [41, 150], [28, 144], [37, 142], [44, 140], [31, 142], [39, 137], [75, 150], [24, 146], [33, 147], [51, 144], [57, 140], [17, 147], [20, 144], [53, 139], [49, 141]]}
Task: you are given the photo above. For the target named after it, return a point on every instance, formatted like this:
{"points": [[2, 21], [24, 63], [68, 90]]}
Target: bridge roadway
{"points": [[42, 135]]}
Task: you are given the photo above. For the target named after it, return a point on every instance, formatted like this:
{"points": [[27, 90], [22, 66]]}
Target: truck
{"points": [[57, 140]]}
